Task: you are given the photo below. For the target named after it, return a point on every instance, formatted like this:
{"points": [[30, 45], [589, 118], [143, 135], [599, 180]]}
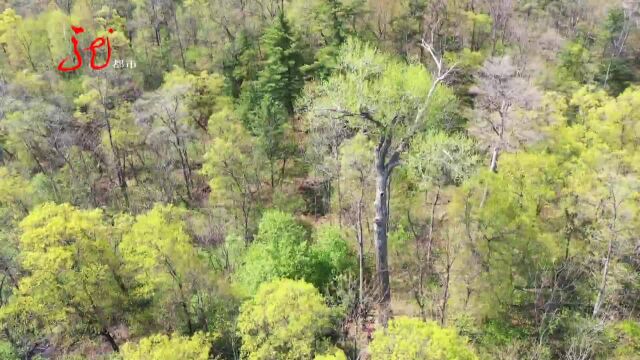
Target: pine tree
{"points": [[239, 65], [331, 18], [281, 77]]}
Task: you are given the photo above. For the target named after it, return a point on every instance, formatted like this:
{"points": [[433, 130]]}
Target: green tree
{"points": [[267, 102], [75, 279], [576, 66], [24, 41], [174, 135], [281, 77], [101, 102], [280, 249], [518, 239], [268, 121], [390, 102], [30, 124], [441, 159], [205, 98], [283, 248], [625, 336], [436, 161], [413, 339], [236, 171], [9, 20], [615, 71], [16, 198], [159, 256], [163, 347], [240, 64], [286, 319], [7, 352], [336, 354], [325, 26], [332, 251], [357, 173]]}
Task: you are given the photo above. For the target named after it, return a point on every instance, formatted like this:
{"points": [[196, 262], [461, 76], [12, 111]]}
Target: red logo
{"points": [[95, 44]]}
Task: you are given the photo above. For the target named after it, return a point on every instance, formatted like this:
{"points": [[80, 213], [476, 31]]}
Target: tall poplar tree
{"points": [[390, 102]]}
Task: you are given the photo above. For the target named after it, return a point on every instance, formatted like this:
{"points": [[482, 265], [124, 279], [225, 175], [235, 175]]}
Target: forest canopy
{"points": [[323, 179]]}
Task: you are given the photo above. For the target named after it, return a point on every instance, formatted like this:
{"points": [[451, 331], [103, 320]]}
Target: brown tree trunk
{"points": [[445, 296], [607, 261], [380, 237], [105, 333], [603, 285], [494, 159], [120, 171], [360, 248], [431, 226], [175, 19]]}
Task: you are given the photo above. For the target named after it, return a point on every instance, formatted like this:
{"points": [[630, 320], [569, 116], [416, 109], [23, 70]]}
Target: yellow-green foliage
{"points": [[282, 249], [374, 82], [157, 247], [582, 181], [15, 192], [159, 255], [279, 250], [478, 21], [519, 212], [625, 337], [333, 354], [235, 170], [125, 134], [414, 339], [466, 59], [40, 42], [71, 264], [8, 20], [163, 347], [285, 320]]}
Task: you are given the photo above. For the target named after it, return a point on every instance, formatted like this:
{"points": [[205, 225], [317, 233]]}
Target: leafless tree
{"points": [[500, 93]]}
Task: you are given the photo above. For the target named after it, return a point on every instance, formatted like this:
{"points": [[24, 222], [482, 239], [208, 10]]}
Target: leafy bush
{"points": [[333, 354], [163, 347], [625, 336], [408, 339], [7, 352], [331, 255], [286, 319], [279, 250], [282, 249]]}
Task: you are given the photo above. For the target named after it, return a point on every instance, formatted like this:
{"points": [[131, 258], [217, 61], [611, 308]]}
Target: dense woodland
{"points": [[321, 179]]}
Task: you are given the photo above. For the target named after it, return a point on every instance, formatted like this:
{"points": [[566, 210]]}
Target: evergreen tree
{"points": [[281, 77], [239, 65], [268, 122]]}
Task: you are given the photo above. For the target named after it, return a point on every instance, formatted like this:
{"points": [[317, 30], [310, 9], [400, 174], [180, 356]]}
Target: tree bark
{"points": [[360, 247], [120, 166], [105, 333], [603, 285], [431, 226], [605, 271], [494, 159], [175, 19], [445, 296], [380, 237]]}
